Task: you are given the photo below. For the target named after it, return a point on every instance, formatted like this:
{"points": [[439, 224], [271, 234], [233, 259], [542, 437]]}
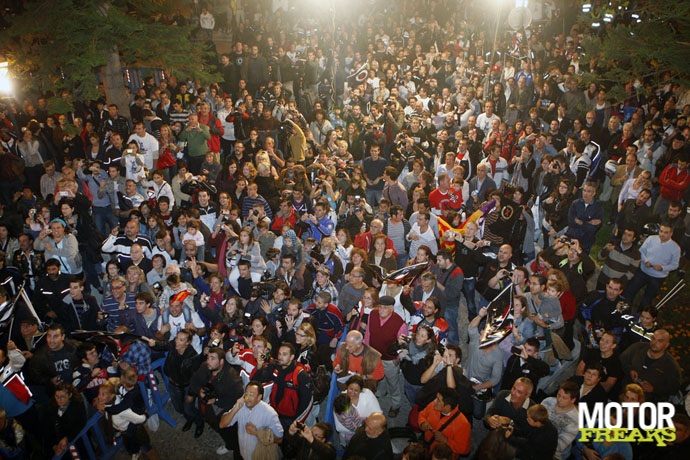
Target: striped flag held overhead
{"points": [[359, 76]]}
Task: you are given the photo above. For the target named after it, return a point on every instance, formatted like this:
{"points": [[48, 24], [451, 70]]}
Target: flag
{"points": [[359, 76], [18, 388], [8, 311], [444, 227], [406, 275], [499, 321]]}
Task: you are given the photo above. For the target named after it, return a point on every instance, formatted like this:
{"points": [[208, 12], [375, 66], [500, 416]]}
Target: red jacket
{"points": [[365, 241], [674, 182], [278, 221], [216, 129]]}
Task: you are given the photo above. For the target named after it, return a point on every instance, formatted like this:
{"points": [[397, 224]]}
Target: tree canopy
{"points": [[70, 44], [644, 40]]}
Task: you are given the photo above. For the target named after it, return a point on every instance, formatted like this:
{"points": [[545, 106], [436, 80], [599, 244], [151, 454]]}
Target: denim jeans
{"points": [[411, 391], [373, 197], [643, 280], [450, 314], [178, 397], [102, 216]]}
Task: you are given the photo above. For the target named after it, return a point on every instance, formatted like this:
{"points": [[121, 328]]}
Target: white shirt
{"points": [[262, 415], [148, 146], [177, 323]]}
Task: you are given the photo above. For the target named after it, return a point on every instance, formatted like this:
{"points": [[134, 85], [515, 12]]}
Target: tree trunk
{"points": [[113, 82]]}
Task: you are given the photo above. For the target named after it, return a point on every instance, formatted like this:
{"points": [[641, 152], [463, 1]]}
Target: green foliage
{"points": [[65, 43], [654, 50]]}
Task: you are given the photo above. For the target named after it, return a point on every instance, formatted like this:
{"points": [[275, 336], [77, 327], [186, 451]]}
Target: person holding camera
{"points": [[291, 386], [497, 274], [217, 385], [441, 421], [546, 313], [311, 443], [196, 135], [585, 217], [320, 226], [577, 265], [524, 362]]}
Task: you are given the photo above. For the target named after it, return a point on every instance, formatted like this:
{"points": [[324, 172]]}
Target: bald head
{"points": [[375, 425], [354, 337]]}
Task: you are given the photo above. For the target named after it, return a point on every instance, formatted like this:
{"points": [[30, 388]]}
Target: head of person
{"points": [[521, 391], [375, 425], [614, 288], [446, 400], [253, 394], [354, 342], [55, 337], [386, 306], [537, 415], [537, 283], [568, 394], [305, 335], [323, 299], [593, 374], [632, 393]]}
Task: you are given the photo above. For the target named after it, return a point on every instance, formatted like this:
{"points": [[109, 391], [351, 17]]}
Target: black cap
{"points": [[387, 300]]}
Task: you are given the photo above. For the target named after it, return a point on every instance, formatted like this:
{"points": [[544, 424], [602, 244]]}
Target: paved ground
{"points": [[172, 444]]}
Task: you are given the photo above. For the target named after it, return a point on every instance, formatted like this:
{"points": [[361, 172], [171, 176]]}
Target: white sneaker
{"points": [[136, 456], [222, 450]]}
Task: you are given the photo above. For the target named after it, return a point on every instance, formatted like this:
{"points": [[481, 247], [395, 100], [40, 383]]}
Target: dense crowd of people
{"points": [[244, 232]]}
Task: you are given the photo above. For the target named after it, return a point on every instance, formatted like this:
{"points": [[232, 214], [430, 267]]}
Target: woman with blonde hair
{"points": [[136, 281], [566, 298], [305, 338], [263, 158], [249, 171], [266, 180]]}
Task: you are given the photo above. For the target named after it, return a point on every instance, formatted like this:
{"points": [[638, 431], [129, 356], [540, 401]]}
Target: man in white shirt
{"points": [[497, 166], [564, 416], [484, 119], [251, 414], [422, 234], [148, 145], [228, 138], [178, 317]]}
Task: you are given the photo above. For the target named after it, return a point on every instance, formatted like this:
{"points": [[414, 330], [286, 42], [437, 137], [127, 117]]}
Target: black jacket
{"points": [[68, 316], [227, 385], [371, 449], [317, 450], [533, 369], [181, 367]]}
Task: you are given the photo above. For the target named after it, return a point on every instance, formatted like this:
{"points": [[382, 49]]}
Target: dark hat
{"points": [[387, 300], [678, 137]]}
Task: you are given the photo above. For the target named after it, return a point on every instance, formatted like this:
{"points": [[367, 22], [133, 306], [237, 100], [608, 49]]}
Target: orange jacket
{"points": [[458, 432]]}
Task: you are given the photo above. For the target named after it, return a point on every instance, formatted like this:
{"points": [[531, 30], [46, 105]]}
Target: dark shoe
{"points": [[187, 426], [393, 412], [199, 431]]}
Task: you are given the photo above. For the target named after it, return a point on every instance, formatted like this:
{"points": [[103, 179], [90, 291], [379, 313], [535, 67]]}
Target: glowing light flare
{"points": [[5, 80]]}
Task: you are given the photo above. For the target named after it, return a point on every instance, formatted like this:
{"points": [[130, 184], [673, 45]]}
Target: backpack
{"points": [[321, 379]]}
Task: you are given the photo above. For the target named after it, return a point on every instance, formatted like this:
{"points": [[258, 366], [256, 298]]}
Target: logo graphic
{"points": [[627, 422]]}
